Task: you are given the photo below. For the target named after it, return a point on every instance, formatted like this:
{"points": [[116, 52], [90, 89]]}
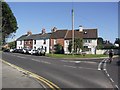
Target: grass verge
{"points": [[75, 56]]}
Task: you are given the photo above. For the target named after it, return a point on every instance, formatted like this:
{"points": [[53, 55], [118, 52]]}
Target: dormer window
{"points": [[85, 32]]}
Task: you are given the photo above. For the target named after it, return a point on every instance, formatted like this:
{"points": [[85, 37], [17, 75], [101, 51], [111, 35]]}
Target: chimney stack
{"points": [[54, 29], [43, 31], [80, 28], [29, 33]]}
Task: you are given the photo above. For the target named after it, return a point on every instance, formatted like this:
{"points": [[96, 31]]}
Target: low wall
{"points": [[106, 51]]}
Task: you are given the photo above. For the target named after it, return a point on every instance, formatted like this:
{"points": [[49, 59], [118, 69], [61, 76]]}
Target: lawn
{"points": [[75, 56]]}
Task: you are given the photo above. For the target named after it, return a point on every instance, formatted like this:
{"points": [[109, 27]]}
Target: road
{"points": [[64, 73]]}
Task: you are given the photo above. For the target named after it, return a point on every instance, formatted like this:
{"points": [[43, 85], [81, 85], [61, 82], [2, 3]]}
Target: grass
{"points": [[75, 56]]}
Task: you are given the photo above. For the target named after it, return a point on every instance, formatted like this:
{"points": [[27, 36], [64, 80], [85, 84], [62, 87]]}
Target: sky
{"points": [[33, 16]]}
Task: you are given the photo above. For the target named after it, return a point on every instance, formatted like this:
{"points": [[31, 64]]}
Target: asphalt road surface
{"points": [[63, 73]]}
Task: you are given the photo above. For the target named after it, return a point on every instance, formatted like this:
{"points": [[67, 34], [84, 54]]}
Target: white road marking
{"points": [[45, 62], [105, 65], [111, 79], [69, 66], [19, 56], [41, 61], [91, 62], [77, 62], [22, 57], [35, 60], [79, 67], [116, 86], [108, 75], [87, 68], [100, 64]]}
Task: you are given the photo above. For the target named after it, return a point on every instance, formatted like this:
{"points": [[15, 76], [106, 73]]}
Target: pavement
{"points": [[12, 78]]}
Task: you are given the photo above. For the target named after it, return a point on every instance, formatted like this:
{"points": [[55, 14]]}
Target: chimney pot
{"points": [[29, 33], [43, 31], [54, 29], [80, 28]]}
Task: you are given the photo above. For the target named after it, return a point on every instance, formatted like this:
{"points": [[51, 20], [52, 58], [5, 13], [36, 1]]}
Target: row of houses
{"points": [[63, 37]]}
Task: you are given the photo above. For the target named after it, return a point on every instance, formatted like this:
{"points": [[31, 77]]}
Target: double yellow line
{"points": [[40, 78]]}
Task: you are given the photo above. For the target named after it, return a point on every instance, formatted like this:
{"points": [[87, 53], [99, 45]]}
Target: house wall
{"points": [[66, 43], [56, 41], [40, 44], [20, 44], [60, 41], [91, 43]]}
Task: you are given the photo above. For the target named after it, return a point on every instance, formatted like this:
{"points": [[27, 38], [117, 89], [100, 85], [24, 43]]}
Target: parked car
{"points": [[12, 50], [41, 51], [25, 50], [6, 50], [32, 52]]}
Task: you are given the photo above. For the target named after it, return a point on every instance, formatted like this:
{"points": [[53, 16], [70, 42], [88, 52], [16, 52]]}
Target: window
{"points": [[55, 41], [34, 41], [20, 42], [29, 42], [45, 49], [44, 41], [89, 41], [34, 48], [67, 42], [85, 41], [25, 42], [86, 48]]}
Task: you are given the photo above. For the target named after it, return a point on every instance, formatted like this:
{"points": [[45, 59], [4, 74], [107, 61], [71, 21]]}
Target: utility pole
{"points": [[72, 32]]}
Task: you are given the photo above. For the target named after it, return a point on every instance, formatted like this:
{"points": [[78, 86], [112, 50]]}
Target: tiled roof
{"points": [[34, 36], [90, 33], [66, 34], [77, 34], [86, 33], [58, 34], [21, 38]]}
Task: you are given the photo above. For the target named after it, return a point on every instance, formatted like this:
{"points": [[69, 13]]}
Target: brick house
{"points": [[57, 36]]}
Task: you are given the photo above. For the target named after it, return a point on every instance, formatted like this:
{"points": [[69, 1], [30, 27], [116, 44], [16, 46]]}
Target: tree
{"points": [[70, 46], [12, 44], [9, 23], [78, 44], [58, 49], [100, 43]]}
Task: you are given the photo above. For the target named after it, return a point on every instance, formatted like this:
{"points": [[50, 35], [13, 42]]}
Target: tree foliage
{"points": [[70, 46], [9, 23], [58, 49], [78, 44], [100, 43], [12, 44]]}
